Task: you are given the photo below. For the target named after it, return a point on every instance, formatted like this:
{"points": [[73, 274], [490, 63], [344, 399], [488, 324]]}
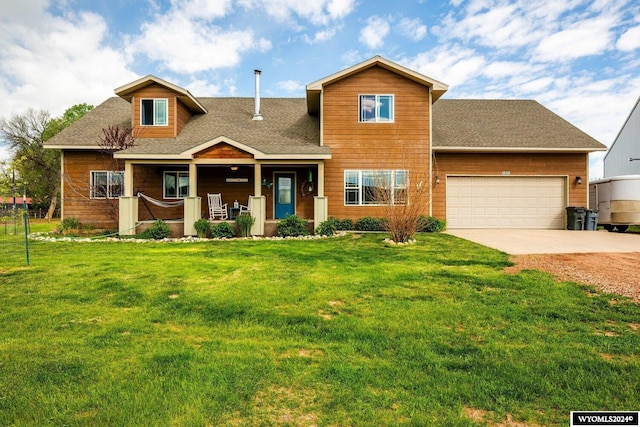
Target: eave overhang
{"points": [[314, 89], [514, 150], [126, 91]]}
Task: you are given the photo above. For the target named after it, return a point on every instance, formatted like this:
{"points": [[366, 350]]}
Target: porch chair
{"points": [[216, 207], [247, 208]]}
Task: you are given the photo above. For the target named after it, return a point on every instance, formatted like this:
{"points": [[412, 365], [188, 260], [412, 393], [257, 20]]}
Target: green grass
{"points": [[342, 331]]}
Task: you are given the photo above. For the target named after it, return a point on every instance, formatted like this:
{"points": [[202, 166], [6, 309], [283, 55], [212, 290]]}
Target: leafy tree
{"points": [[39, 169]]}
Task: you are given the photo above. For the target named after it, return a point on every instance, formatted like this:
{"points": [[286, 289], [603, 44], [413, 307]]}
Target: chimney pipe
{"points": [[256, 114]]}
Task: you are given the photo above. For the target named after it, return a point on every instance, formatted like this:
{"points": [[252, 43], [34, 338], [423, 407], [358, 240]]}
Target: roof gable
{"points": [[127, 91], [313, 89]]}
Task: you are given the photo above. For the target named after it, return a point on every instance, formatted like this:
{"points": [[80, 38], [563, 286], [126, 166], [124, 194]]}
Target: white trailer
{"points": [[617, 199]]}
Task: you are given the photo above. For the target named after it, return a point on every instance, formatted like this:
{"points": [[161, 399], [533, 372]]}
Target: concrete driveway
{"points": [[521, 242]]}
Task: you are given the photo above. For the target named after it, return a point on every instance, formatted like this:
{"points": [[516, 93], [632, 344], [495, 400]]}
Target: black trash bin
{"points": [[575, 217], [591, 220]]}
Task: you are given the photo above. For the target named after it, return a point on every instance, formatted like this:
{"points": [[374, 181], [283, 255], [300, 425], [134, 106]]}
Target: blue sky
{"points": [[579, 58]]}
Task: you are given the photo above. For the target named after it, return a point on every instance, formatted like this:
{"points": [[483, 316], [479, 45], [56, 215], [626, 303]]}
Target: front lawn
{"points": [[343, 331]]}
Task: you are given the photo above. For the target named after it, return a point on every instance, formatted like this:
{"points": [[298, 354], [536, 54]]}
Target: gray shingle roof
{"points": [[519, 124], [288, 129]]}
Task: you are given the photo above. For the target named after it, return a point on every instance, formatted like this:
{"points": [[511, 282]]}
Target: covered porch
{"points": [[176, 191]]}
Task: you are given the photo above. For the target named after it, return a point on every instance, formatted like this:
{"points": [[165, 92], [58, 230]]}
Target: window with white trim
{"points": [[175, 185], [375, 187], [154, 112], [376, 108], [106, 184]]}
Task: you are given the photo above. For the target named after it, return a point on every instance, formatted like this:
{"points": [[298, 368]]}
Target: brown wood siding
{"points": [[183, 115], [212, 179], [154, 91], [403, 144], [223, 151], [77, 202], [148, 180], [462, 164]]}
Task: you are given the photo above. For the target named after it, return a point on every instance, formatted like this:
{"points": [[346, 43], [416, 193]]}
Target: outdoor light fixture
{"points": [[437, 179], [578, 180], [266, 183], [234, 168]]}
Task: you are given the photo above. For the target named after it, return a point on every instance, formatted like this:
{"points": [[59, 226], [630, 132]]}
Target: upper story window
{"points": [[376, 108], [154, 112]]}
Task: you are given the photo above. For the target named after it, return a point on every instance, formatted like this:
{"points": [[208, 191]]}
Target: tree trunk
{"points": [[52, 208]]}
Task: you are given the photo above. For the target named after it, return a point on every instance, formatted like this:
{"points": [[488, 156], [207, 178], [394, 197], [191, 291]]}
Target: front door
{"points": [[285, 194]]}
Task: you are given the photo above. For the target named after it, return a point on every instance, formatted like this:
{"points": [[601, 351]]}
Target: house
{"points": [[623, 157], [483, 163], [9, 203]]}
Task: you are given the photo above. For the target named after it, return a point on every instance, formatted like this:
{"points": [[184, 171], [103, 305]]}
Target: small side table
{"points": [[233, 212]]}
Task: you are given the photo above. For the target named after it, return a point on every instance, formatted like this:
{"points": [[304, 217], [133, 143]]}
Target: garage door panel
{"points": [[506, 202]]}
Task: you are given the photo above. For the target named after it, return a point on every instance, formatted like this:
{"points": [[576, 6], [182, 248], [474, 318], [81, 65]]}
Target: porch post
{"points": [[127, 215], [257, 180], [320, 202], [193, 203], [259, 213], [127, 205], [128, 179]]}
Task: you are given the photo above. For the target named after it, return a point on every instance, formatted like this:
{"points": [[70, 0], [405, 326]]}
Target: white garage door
{"points": [[506, 202]]}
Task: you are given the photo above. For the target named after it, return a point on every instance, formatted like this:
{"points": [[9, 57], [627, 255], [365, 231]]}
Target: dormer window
{"points": [[376, 108], [154, 112]]}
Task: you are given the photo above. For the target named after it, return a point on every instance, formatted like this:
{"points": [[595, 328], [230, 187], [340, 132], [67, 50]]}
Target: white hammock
{"points": [[160, 202]]}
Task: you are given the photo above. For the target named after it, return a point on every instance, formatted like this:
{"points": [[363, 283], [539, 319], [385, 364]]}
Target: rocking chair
{"points": [[216, 207]]}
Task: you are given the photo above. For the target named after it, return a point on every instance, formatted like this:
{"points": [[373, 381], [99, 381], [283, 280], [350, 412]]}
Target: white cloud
{"points": [[318, 12], [321, 36], [413, 29], [450, 64], [584, 38], [292, 86], [630, 40], [374, 33], [186, 42], [63, 63]]}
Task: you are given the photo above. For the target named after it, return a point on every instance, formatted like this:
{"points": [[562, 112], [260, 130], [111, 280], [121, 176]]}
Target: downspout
{"points": [[431, 187]]}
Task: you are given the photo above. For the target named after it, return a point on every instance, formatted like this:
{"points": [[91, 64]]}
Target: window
{"points": [[154, 112], [376, 108], [106, 184], [375, 187], [176, 185]]}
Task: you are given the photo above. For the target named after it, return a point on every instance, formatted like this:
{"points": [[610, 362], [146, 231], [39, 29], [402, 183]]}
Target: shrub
{"points": [[202, 227], [327, 228], [159, 230], [430, 224], [292, 226], [244, 222], [344, 224], [69, 226], [369, 223], [223, 230]]}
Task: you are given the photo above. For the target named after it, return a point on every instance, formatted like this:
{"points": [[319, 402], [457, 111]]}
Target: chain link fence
{"points": [[14, 242]]}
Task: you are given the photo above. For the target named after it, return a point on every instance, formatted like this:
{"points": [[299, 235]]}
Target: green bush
{"points": [[70, 226], [292, 226], [202, 227], [369, 223], [344, 224], [159, 230], [429, 224], [223, 230], [244, 222], [327, 228]]}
